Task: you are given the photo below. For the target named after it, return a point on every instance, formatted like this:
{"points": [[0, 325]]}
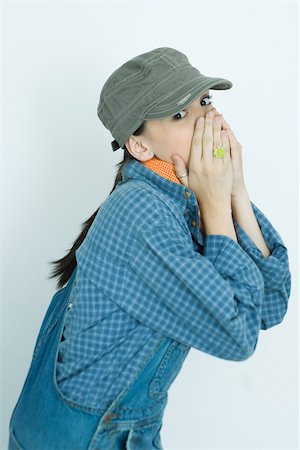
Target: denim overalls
{"points": [[44, 419]]}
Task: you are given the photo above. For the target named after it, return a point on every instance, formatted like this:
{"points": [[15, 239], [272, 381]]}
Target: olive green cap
{"points": [[153, 85]]}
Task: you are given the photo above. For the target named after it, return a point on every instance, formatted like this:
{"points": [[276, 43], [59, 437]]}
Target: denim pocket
{"points": [[51, 317], [53, 313], [168, 369]]}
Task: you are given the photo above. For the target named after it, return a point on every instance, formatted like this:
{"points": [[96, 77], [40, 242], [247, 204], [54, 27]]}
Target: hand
{"points": [[210, 178], [239, 185]]}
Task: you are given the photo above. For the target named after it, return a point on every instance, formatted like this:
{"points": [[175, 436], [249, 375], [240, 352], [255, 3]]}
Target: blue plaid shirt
{"points": [[146, 270]]}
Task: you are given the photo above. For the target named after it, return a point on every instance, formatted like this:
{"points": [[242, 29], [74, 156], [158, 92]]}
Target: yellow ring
{"points": [[219, 152]]}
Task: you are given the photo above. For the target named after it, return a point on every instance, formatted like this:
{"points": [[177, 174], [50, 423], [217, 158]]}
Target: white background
{"points": [[58, 167]]}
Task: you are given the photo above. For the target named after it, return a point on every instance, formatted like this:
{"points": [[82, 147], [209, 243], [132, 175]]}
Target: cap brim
{"points": [[190, 91]]}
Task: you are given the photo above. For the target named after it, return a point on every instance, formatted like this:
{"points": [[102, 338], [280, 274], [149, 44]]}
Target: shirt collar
{"points": [[161, 176], [163, 168]]}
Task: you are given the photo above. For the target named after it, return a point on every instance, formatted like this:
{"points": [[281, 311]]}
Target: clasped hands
{"points": [[238, 187]]}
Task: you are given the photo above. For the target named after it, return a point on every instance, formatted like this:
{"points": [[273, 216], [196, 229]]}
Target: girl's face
{"points": [[171, 134]]}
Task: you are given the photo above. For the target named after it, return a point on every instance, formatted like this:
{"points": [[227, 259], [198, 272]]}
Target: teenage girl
{"points": [[176, 257]]}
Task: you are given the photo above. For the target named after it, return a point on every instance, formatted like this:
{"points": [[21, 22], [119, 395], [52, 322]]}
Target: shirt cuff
{"points": [[232, 262], [274, 267]]}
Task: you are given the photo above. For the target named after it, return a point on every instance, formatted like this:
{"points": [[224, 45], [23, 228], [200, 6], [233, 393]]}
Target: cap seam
{"points": [[129, 78], [194, 88], [180, 87], [171, 61], [135, 75], [140, 98]]}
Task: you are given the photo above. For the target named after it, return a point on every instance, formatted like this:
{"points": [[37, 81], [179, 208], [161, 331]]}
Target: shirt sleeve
{"points": [[274, 268], [211, 302]]}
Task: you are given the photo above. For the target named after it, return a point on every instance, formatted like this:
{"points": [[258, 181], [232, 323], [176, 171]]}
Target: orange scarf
{"points": [[166, 170]]}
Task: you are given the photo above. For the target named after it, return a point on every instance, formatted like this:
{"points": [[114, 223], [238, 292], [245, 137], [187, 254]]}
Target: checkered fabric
{"points": [[145, 269]]}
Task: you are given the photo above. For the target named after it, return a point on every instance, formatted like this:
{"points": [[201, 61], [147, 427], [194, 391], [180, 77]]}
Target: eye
{"points": [[205, 104], [202, 103], [177, 114]]}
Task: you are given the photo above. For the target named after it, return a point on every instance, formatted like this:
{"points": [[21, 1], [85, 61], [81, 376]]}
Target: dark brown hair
{"points": [[66, 265]]}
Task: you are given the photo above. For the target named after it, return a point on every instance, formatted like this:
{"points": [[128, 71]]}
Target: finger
{"points": [[236, 147], [226, 144], [196, 147], [180, 169], [207, 139], [224, 124], [217, 132]]}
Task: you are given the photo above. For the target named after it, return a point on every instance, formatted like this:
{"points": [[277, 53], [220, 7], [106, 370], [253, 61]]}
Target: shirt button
{"points": [[193, 222], [187, 194], [70, 305]]}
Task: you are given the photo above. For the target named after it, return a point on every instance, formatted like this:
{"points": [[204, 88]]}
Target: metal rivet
{"points": [[109, 416]]}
